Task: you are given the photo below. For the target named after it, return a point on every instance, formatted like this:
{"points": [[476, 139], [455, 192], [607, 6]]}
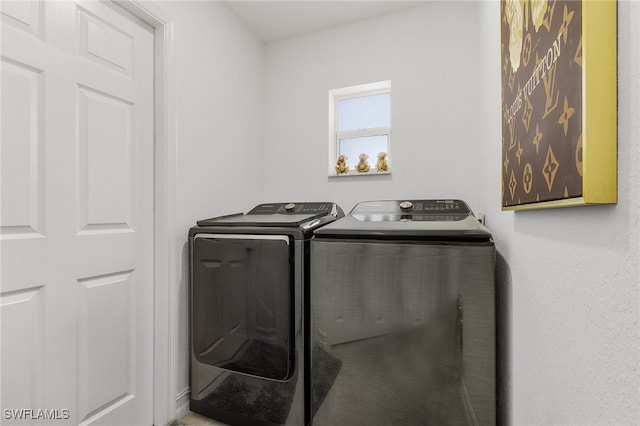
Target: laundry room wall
{"points": [[430, 55], [252, 126], [219, 92], [574, 273]]}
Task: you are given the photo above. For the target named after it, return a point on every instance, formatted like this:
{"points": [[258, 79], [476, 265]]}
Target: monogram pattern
{"points": [[541, 50]]}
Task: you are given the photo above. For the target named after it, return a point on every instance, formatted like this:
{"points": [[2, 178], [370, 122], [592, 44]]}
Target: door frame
{"points": [[164, 257]]}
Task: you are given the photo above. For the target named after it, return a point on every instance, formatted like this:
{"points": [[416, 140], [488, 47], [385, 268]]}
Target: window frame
{"points": [[335, 97]]}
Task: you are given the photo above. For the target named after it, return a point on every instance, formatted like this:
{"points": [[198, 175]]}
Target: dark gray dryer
{"points": [[403, 317], [249, 317]]}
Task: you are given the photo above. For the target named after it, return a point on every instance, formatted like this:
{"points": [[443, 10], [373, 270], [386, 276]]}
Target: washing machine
{"points": [[249, 313], [403, 325]]}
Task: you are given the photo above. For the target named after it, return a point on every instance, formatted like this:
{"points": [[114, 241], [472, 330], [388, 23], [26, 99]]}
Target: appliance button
{"points": [[290, 207], [406, 206]]}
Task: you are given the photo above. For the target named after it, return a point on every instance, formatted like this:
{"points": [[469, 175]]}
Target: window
{"points": [[360, 123]]}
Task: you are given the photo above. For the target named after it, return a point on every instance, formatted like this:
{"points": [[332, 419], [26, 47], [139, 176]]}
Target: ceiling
{"points": [[276, 20]]}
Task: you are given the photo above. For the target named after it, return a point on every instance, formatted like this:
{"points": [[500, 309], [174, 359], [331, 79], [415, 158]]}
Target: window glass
{"points": [[360, 123], [370, 145], [364, 112]]}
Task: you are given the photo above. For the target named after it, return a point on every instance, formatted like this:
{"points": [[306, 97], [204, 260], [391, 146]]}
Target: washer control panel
{"points": [[440, 206], [411, 210]]}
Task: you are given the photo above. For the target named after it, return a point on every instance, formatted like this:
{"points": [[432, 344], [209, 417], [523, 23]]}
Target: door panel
{"points": [[105, 161], [21, 347], [106, 360], [26, 16], [22, 150], [117, 54], [76, 228]]}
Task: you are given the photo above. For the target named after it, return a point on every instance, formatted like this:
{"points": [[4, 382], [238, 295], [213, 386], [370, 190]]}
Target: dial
{"points": [[406, 206]]}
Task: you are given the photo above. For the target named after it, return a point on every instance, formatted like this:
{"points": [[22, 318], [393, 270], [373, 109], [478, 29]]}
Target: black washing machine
{"points": [[249, 313], [403, 324]]}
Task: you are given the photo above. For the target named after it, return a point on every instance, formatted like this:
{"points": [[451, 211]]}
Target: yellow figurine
{"points": [[341, 165], [382, 165], [363, 166]]}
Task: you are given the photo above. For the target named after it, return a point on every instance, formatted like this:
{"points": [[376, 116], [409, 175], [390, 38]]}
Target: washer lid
{"points": [[443, 220], [289, 215]]}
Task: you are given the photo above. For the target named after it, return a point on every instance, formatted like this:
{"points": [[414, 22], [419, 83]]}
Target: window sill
{"points": [[353, 173]]}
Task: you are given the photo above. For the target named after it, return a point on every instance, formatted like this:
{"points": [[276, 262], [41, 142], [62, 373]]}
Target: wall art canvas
{"points": [[558, 66]]}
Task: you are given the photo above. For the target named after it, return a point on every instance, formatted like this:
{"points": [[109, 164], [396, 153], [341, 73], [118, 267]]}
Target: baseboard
{"points": [[182, 403]]}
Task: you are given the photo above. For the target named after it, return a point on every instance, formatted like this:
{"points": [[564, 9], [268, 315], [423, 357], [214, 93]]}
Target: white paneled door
{"points": [[76, 221]]}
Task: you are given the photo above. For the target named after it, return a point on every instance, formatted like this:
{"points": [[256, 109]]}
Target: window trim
{"points": [[337, 95]]}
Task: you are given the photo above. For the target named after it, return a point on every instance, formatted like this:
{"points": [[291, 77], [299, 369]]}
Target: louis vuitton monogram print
{"points": [[541, 50]]}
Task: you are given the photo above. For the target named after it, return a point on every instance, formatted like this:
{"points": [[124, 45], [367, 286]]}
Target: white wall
{"points": [[219, 98], [430, 55], [574, 272]]}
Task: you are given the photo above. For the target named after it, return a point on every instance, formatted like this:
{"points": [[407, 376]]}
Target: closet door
{"points": [[76, 223]]}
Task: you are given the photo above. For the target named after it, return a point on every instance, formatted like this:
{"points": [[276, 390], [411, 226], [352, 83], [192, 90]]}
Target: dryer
{"points": [[249, 282], [403, 316]]}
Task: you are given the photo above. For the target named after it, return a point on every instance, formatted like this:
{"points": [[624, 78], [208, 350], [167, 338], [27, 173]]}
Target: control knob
{"points": [[406, 206]]}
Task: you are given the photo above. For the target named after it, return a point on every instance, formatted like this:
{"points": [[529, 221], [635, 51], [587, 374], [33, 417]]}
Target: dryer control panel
{"points": [[293, 208]]}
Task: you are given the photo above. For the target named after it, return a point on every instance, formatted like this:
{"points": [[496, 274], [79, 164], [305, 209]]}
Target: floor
{"points": [[193, 419]]}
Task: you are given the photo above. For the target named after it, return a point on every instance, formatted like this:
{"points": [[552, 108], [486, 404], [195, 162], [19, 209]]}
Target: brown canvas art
{"points": [[542, 98]]}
